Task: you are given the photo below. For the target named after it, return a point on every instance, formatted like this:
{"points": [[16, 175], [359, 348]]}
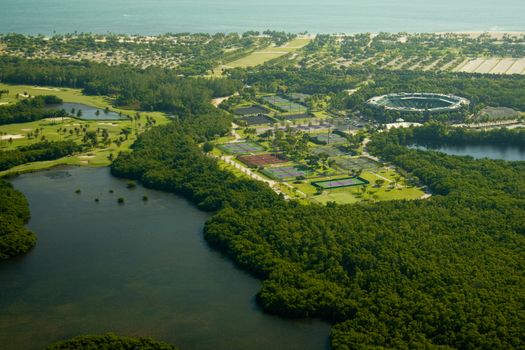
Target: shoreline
{"points": [[303, 34], [48, 165]]}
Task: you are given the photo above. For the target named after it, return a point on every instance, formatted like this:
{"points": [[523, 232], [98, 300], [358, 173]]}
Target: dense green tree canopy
{"points": [[109, 342], [30, 109], [148, 89], [45, 150], [15, 239]]}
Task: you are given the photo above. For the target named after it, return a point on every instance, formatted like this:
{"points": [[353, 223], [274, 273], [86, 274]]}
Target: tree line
{"points": [[30, 109], [109, 342], [40, 151], [436, 134], [149, 89], [15, 239]]}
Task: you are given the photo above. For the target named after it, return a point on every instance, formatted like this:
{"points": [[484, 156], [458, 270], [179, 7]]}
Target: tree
{"points": [[90, 138], [126, 132], [207, 147]]}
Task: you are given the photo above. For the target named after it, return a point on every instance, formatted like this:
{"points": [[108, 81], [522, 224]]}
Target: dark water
{"points": [[89, 112], [329, 16], [142, 268], [483, 151]]}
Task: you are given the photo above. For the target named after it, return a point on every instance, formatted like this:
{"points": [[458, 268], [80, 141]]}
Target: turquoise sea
{"points": [[314, 16]]}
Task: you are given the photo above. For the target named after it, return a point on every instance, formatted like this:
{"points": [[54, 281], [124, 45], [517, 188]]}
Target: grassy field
{"points": [[268, 53], [393, 189], [95, 157], [47, 128]]}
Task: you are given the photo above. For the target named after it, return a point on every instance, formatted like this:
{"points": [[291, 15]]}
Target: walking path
{"points": [[235, 134], [381, 177], [365, 151], [273, 184]]}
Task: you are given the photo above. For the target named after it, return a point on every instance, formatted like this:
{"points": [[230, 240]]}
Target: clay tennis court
{"points": [[262, 159]]}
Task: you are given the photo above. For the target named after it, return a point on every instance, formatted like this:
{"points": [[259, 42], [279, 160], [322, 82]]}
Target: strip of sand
{"points": [[12, 137]]}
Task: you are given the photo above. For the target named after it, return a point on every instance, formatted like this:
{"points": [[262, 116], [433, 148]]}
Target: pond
{"points": [[89, 112], [141, 268]]}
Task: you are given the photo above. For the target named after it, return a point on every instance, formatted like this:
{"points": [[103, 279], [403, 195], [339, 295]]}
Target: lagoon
{"points": [[482, 151], [138, 269]]}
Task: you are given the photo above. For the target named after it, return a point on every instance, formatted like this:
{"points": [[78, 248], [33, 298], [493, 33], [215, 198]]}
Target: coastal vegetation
{"points": [[438, 134], [45, 150], [200, 54], [185, 53], [15, 239], [484, 53], [109, 342]]}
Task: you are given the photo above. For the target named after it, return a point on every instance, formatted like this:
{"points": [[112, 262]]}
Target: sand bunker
{"points": [[110, 124], [58, 119], [11, 136], [44, 88]]}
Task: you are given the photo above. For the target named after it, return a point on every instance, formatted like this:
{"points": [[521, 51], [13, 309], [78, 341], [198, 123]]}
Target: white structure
{"points": [[419, 102]]}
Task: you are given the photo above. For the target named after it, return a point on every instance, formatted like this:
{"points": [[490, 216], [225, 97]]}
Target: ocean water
{"points": [[329, 16]]}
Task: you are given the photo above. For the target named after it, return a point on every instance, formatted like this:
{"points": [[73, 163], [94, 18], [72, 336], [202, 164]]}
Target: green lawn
{"points": [[348, 195], [97, 156]]}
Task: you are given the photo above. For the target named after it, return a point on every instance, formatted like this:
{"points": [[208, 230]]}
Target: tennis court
{"points": [[256, 119], [251, 110], [361, 163], [286, 172], [330, 150], [338, 183], [330, 138], [241, 147], [262, 159], [298, 96], [295, 116], [284, 104]]}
